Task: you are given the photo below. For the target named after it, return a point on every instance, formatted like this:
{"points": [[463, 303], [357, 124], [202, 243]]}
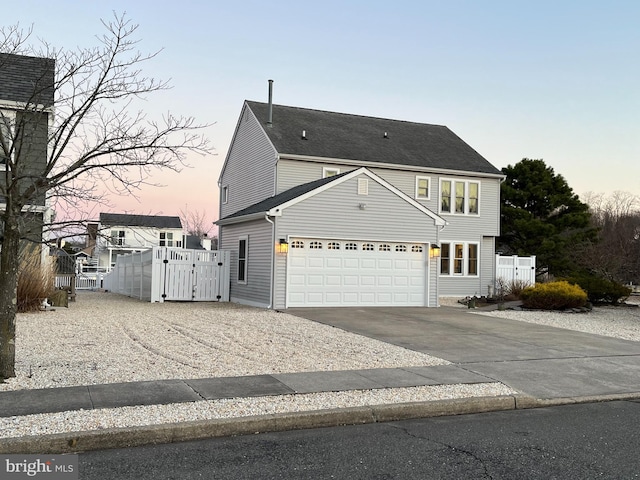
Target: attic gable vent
{"points": [[363, 186]]}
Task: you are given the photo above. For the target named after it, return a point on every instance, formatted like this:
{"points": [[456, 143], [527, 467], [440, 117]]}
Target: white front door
{"points": [[325, 272]]}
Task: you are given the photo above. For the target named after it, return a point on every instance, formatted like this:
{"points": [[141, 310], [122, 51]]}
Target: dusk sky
{"points": [[557, 80]]}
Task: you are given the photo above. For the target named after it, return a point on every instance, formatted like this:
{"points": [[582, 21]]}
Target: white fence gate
{"points": [[515, 268], [162, 273]]}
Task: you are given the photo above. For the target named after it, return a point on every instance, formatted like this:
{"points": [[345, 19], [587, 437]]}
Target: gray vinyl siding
{"points": [[335, 213], [432, 282], [257, 289], [487, 264], [249, 171], [292, 172]]}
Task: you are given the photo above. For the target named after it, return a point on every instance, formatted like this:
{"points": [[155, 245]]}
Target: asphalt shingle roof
{"points": [[295, 192], [355, 137], [27, 79], [123, 219]]}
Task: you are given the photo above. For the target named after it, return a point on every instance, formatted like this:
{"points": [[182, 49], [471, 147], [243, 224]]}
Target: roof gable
{"points": [[274, 206], [148, 221], [360, 138]]}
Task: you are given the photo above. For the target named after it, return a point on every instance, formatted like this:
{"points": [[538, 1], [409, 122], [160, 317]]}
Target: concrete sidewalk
{"points": [[160, 392], [549, 366]]}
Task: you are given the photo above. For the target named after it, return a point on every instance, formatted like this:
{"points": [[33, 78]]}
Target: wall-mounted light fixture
{"points": [[434, 250], [362, 206], [283, 246]]}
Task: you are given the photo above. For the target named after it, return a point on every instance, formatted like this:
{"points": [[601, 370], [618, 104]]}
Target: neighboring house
{"points": [[26, 108], [117, 234], [329, 209]]}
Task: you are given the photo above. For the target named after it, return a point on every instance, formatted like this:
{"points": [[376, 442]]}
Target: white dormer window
{"points": [[423, 188], [330, 172]]}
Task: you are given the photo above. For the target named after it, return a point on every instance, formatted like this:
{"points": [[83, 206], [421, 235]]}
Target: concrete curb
{"points": [[524, 402], [201, 429], [197, 430]]}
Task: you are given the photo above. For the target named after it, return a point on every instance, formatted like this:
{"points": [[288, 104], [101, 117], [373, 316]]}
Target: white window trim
{"points": [[453, 197], [225, 194], [465, 259], [327, 170], [428, 179], [246, 260]]}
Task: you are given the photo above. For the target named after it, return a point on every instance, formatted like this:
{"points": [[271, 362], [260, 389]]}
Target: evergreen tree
{"points": [[542, 216]]}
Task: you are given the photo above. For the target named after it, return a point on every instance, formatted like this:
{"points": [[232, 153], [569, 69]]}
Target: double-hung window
{"points": [[167, 240], [459, 259], [459, 197], [423, 185], [243, 253], [117, 237], [330, 172]]}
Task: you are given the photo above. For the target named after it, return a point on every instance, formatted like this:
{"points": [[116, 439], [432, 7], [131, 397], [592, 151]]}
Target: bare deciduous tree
{"points": [[616, 252], [95, 138], [195, 222]]}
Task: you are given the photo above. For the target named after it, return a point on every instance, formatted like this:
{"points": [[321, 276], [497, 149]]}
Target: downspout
{"points": [[273, 243]]}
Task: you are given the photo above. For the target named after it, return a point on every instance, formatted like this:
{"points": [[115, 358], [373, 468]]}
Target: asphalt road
{"points": [[586, 441]]}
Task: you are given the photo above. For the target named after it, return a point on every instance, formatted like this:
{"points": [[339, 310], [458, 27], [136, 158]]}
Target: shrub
{"points": [[35, 280], [554, 296], [516, 287], [599, 289]]}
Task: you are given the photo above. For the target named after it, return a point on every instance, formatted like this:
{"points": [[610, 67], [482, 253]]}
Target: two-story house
{"points": [[26, 107], [328, 209], [117, 233]]}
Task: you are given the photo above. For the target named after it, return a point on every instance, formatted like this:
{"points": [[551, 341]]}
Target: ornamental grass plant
{"points": [[36, 279]]}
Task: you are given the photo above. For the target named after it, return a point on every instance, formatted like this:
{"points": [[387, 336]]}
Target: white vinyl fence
{"points": [[83, 281], [162, 274], [515, 268]]}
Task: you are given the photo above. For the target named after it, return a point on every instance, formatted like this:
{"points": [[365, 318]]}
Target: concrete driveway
{"points": [[541, 361]]}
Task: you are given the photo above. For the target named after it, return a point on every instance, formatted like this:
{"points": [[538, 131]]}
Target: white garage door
{"points": [[350, 273]]}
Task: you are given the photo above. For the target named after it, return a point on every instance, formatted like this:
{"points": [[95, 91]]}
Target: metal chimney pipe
{"points": [[270, 110]]}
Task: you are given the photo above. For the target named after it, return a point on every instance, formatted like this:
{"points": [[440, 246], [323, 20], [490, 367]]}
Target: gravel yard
{"points": [[108, 338], [619, 322]]}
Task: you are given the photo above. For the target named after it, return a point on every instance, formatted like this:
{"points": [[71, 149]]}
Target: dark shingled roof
{"points": [[295, 192], [354, 137], [126, 220], [27, 79]]}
